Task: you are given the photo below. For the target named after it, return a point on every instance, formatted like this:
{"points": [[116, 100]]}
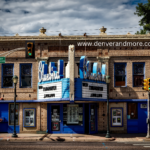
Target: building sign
{"points": [[94, 90], [53, 72], [89, 71], [2, 59], [50, 90]]}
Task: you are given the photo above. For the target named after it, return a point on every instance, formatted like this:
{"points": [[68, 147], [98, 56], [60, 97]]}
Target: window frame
{"points": [[24, 117], [128, 109], [2, 75], [125, 74], [18, 115], [122, 117], [133, 72], [21, 76]]}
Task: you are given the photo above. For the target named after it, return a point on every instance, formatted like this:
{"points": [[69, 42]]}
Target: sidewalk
{"points": [[74, 137]]}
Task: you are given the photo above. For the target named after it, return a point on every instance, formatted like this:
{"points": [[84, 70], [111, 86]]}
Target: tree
{"points": [[143, 10]]}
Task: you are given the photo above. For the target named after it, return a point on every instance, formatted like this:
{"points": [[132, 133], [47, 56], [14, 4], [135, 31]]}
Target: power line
{"points": [[77, 30]]}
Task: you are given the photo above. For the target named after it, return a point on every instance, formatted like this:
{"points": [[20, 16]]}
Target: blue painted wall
{"points": [[4, 126], [138, 125]]}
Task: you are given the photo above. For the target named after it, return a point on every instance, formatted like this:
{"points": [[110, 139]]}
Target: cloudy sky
{"points": [[70, 17]]}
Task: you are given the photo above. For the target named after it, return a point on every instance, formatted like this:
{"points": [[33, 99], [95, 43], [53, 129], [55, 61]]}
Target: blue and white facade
{"points": [[72, 101]]}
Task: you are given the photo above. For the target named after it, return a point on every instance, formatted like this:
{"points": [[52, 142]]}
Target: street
{"points": [[73, 145]]}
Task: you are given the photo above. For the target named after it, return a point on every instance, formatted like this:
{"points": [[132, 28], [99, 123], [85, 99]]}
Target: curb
{"points": [[57, 140], [146, 139], [77, 140]]}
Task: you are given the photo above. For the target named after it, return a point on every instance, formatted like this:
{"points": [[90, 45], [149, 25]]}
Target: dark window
{"points": [[133, 110], [26, 75], [7, 75], [120, 74], [11, 114], [138, 74]]}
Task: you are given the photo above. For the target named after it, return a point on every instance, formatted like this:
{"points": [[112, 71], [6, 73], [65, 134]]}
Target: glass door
{"points": [[92, 119], [56, 121]]}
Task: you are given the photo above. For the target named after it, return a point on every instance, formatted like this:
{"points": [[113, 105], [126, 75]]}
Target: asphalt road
{"points": [[6, 145]]}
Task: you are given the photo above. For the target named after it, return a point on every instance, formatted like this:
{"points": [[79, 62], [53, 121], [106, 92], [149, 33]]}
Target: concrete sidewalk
{"points": [[74, 137]]}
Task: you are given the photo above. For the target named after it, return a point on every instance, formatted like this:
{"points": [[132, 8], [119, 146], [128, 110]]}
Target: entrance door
{"points": [[92, 119], [142, 116], [56, 118]]}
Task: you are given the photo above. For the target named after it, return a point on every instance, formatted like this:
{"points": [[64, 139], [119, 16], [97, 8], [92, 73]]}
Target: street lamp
{"points": [[15, 80], [108, 81]]}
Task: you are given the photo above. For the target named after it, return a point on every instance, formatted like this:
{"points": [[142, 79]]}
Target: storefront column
{"points": [[38, 117]]}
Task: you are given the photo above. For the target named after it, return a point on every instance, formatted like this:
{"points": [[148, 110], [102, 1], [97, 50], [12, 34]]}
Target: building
{"points": [[66, 102]]}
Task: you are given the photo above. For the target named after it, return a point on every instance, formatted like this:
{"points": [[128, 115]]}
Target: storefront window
{"points": [[73, 114], [116, 116], [29, 117], [11, 114]]}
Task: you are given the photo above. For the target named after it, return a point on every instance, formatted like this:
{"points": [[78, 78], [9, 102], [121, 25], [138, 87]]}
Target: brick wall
{"points": [[43, 116], [22, 93], [102, 117], [128, 92]]}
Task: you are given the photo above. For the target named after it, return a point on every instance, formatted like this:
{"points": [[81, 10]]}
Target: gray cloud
{"points": [[26, 17]]}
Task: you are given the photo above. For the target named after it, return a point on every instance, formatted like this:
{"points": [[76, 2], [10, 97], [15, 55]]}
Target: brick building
{"points": [[126, 65]]}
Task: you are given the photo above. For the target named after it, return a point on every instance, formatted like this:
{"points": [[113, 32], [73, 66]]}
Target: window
{"points": [[73, 114], [7, 74], [117, 118], [132, 111], [29, 117], [25, 75], [138, 74], [120, 74], [11, 114]]}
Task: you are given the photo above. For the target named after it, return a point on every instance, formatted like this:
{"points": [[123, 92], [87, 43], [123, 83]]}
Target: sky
{"points": [[68, 17]]}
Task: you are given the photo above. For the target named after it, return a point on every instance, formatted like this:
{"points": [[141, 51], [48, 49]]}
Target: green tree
{"points": [[143, 10]]}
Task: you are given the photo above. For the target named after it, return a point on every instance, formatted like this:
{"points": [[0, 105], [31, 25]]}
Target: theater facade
{"points": [[63, 88]]}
